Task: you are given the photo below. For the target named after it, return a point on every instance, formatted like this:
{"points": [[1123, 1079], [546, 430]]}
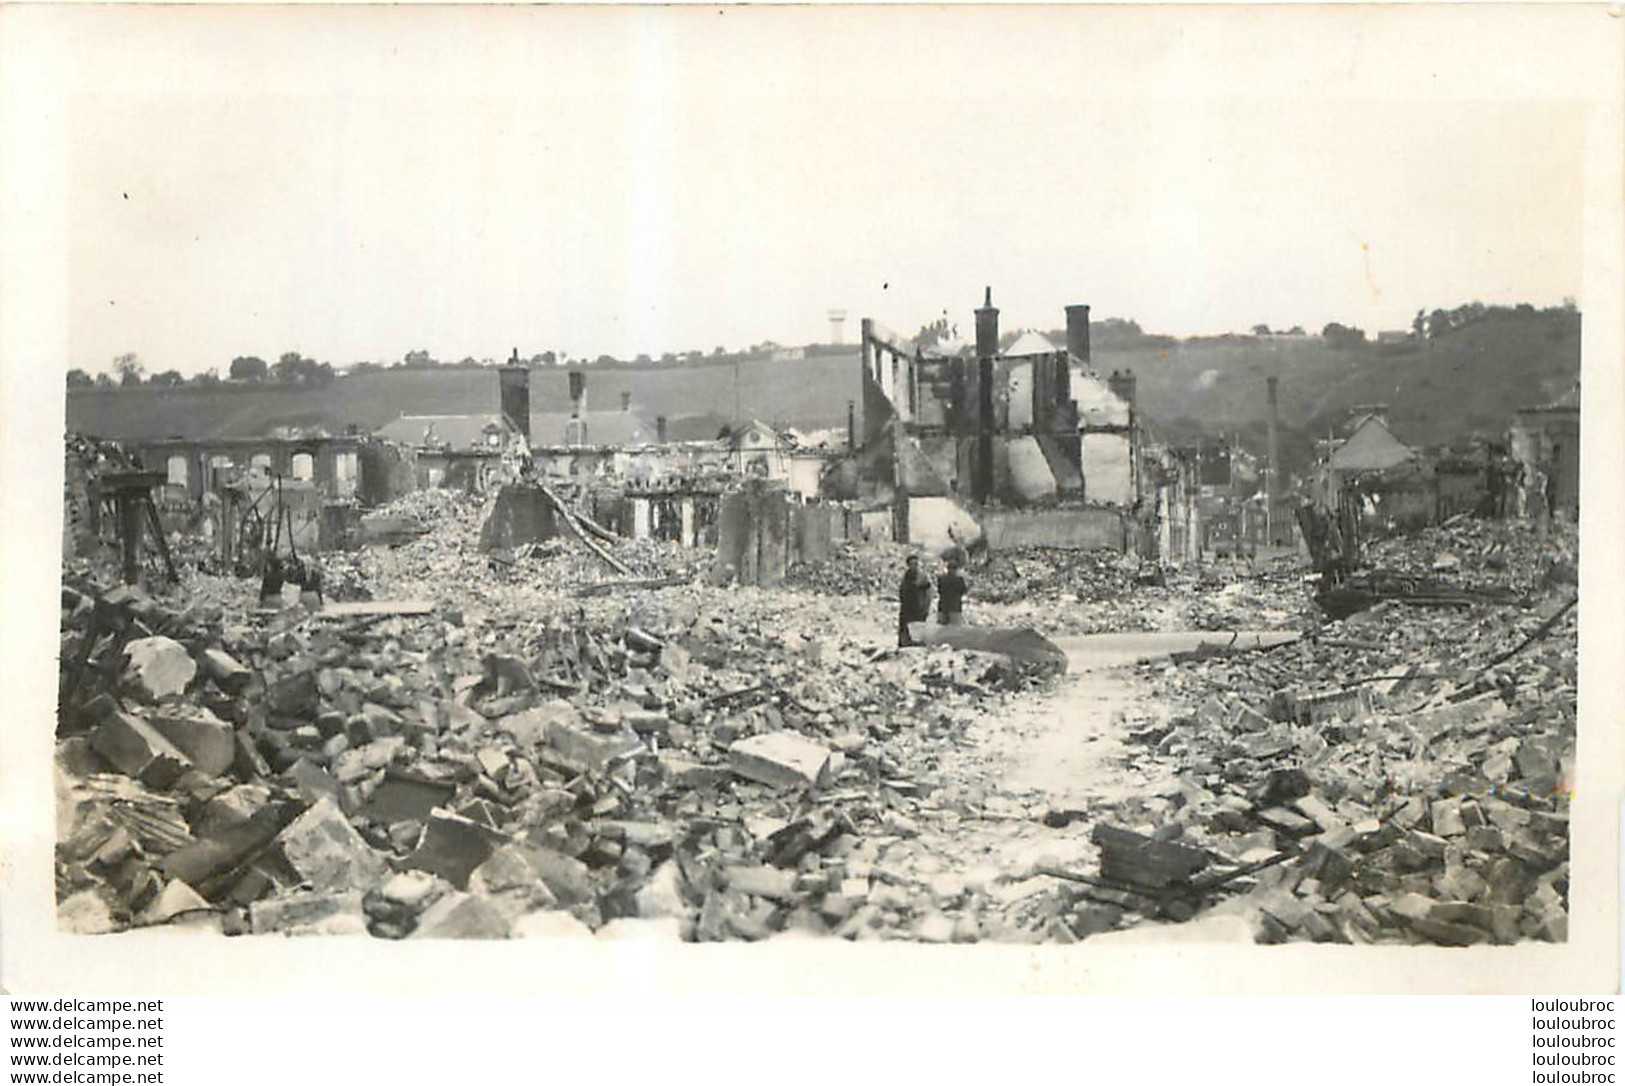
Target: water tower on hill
{"points": [[837, 319]]}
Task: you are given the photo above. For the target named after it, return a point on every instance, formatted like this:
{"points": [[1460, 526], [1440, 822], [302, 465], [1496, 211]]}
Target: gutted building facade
{"points": [[1026, 446]]}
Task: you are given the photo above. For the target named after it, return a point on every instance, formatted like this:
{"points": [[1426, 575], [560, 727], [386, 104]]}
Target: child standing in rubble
{"points": [[951, 595]]}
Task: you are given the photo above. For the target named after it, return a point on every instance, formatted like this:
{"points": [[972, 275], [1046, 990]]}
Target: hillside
{"points": [[1469, 380], [808, 393]]}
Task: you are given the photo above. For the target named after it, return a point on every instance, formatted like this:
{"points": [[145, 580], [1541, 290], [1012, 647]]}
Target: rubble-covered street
{"points": [[525, 743]]}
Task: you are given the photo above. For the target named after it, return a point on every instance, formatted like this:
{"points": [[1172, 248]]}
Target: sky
{"points": [[356, 184]]}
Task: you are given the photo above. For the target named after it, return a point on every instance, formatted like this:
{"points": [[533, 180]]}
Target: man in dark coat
{"points": [[913, 599]]}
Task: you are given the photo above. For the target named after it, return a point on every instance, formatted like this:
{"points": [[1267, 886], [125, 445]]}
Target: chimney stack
{"points": [[1077, 333], [513, 395], [626, 401], [987, 349], [987, 328], [1272, 486], [660, 429], [578, 393], [851, 425]]}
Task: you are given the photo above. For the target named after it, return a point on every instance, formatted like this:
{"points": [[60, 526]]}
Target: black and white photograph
{"points": [[1067, 480]]}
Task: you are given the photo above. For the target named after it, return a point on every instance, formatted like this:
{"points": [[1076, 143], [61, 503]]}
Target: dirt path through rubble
{"points": [[1039, 773], [1070, 746]]}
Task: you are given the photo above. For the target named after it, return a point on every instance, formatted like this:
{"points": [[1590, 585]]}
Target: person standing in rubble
{"points": [[951, 595], [913, 599], [1540, 503]]}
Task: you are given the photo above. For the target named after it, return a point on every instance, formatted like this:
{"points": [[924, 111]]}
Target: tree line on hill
{"points": [[294, 369]]}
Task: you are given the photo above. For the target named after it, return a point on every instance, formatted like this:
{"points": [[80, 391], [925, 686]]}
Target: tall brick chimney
{"points": [[1077, 333], [660, 429], [851, 425], [578, 393], [987, 349], [1272, 488], [987, 328], [513, 395]]}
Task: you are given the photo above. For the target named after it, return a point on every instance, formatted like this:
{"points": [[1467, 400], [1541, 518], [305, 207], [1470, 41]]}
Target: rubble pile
{"points": [[1470, 552], [1400, 779], [671, 758], [1010, 576], [853, 569], [1064, 592]]}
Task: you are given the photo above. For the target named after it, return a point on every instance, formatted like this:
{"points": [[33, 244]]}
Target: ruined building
{"points": [[1017, 448]]}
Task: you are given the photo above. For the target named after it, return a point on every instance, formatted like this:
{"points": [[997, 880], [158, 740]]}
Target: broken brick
{"points": [[781, 759], [458, 915], [158, 667], [327, 852], [208, 741], [452, 847], [139, 750]]}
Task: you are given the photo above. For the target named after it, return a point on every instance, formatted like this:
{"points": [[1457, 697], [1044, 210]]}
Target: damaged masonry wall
{"points": [[992, 431]]}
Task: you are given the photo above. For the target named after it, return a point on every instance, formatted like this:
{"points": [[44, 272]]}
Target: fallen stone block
{"points": [[1448, 934], [453, 847], [1464, 912], [359, 762], [1316, 809], [662, 894], [1459, 714], [588, 751], [529, 728], [158, 667], [1325, 707], [568, 878], [1447, 818], [224, 670], [1132, 858], [412, 889], [232, 807], [782, 759], [459, 915], [762, 881], [492, 761], [294, 696], [1412, 906], [208, 741], [309, 912], [1429, 845], [403, 797], [212, 864], [686, 773], [1287, 821], [1265, 744], [649, 836], [176, 899], [512, 869], [1249, 719], [328, 853], [312, 782], [137, 749], [646, 721]]}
